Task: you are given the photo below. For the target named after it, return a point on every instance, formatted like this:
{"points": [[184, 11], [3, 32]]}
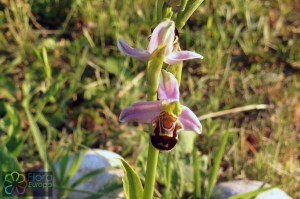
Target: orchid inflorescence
{"points": [[162, 110], [166, 114]]}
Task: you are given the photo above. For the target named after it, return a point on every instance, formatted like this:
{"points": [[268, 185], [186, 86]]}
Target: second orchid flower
{"points": [[163, 34]]}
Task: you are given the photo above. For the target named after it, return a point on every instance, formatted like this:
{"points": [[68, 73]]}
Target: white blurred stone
{"points": [[94, 160], [226, 189]]}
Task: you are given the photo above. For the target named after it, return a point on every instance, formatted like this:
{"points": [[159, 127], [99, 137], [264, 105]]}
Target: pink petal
{"points": [[133, 52], [143, 112], [163, 34], [168, 87], [189, 120], [179, 56]]}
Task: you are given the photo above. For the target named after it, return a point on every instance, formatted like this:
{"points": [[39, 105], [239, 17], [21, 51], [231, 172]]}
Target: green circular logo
{"points": [[14, 184]]}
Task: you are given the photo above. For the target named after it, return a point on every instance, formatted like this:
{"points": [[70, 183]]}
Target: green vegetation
{"points": [[63, 83]]}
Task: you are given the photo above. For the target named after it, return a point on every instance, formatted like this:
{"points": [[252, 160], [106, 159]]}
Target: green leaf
{"points": [[14, 120], [251, 193], [51, 92], [184, 15], [197, 176], [112, 66], [75, 164], [51, 165], [15, 145], [107, 189], [39, 140], [8, 162], [47, 67], [8, 88], [186, 141], [89, 175], [216, 165], [63, 164], [67, 170], [131, 182], [14, 141]]}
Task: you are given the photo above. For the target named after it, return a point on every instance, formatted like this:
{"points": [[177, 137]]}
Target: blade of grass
{"points": [[63, 164], [54, 172], [183, 16], [197, 177], [14, 141], [8, 161], [89, 175], [75, 164], [39, 140], [52, 91], [47, 66], [216, 164], [67, 171], [107, 190], [251, 193]]}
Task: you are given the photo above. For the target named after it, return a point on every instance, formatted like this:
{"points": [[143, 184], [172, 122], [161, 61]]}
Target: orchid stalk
{"points": [[162, 110], [153, 71]]}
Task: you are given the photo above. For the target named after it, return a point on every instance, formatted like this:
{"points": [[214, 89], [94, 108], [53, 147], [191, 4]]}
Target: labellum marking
{"points": [[165, 135]]}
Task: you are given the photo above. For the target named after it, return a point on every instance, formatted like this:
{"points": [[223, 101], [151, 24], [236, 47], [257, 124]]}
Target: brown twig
{"points": [[236, 110], [35, 22]]}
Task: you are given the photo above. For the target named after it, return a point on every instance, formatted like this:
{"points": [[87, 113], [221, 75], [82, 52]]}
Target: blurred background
{"points": [[63, 83]]}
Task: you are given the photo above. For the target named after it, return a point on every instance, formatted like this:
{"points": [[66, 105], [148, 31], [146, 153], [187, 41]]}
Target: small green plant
{"points": [[60, 59], [163, 109]]}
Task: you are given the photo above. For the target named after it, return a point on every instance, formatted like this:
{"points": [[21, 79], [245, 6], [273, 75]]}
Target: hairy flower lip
{"points": [[168, 93], [163, 34]]}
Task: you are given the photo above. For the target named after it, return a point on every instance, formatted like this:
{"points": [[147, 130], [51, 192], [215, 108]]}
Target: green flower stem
{"points": [[185, 14], [169, 173], [154, 67], [151, 162], [182, 5], [151, 172]]}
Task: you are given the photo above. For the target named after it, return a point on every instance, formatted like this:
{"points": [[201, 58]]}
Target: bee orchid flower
{"points": [[163, 34], [167, 115]]}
